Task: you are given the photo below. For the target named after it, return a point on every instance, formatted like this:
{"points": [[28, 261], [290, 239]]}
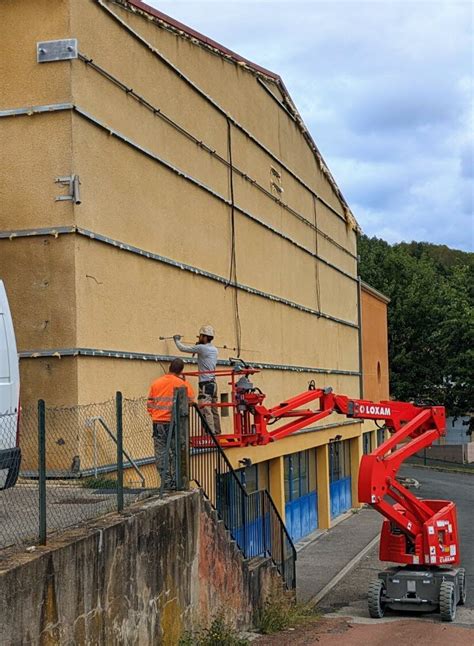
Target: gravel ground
{"points": [[67, 505], [345, 632]]}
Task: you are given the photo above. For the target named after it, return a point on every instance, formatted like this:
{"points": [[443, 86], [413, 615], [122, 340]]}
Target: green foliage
{"points": [[219, 633], [281, 611], [430, 319]]}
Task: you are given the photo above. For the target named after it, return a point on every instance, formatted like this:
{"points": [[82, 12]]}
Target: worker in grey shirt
{"points": [[206, 353]]}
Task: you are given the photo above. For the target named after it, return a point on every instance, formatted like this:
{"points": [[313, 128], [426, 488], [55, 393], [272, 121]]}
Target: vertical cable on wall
{"points": [[233, 255], [316, 262], [359, 332]]}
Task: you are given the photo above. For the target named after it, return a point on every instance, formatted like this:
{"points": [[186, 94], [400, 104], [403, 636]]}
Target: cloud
{"points": [[386, 89], [467, 161]]}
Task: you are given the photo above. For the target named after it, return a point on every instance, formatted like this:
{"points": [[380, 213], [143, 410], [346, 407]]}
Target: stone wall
{"points": [[139, 578]]}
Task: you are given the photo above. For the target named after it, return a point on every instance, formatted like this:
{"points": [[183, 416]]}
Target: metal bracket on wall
{"points": [[64, 49], [73, 183]]}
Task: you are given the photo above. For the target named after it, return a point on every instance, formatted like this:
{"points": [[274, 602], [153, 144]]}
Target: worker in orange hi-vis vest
{"points": [[159, 406]]}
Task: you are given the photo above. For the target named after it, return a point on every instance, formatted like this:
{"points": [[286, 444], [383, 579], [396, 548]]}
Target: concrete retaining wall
{"points": [[469, 452], [141, 578], [457, 453]]}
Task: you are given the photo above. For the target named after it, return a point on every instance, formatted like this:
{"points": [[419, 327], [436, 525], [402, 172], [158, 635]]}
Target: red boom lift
{"points": [[422, 535]]}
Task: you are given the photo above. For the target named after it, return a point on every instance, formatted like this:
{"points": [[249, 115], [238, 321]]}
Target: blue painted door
{"points": [[340, 482], [242, 515], [301, 515], [253, 538], [341, 496]]}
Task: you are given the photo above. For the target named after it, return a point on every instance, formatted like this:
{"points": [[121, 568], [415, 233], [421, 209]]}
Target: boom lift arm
{"points": [[421, 535], [414, 531]]}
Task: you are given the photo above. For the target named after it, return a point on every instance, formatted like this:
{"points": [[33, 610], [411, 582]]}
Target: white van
{"points": [[10, 455]]}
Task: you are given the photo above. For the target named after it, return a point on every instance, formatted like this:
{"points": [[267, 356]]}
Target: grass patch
{"points": [[281, 611], [98, 483], [221, 632]]}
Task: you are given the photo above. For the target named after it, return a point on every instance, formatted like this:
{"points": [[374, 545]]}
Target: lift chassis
{"points": [[422, 588], [419, 535]]}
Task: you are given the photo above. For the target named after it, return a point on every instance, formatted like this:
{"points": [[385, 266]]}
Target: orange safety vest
{"points": [[160, 397]]}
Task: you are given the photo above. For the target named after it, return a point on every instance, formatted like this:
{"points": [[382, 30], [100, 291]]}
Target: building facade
{"points": [[153, 181], [375, 369]]}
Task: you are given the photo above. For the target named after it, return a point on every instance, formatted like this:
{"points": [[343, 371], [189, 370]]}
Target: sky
{"points": [[386, 89]]}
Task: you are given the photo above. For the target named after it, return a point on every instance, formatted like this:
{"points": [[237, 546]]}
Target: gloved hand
{"points": [[177, 337]]}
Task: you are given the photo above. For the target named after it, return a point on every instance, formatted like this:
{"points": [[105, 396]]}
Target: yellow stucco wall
{"points": [[134, 200], [68, 291], [374, 346], [22, 25]]}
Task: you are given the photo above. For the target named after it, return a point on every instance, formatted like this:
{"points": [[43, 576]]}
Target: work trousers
{"points": [[160, 439], [208, 395]]}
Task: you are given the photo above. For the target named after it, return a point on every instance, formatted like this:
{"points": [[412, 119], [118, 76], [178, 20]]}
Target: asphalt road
{"points": [[349, 597], [460, 488], [346, 619]]}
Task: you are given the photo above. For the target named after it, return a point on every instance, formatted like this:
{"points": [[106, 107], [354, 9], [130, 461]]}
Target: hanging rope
{"points": [[316, 262], [232, 281]]}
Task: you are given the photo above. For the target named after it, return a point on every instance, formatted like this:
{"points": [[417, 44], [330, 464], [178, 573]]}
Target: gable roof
{"points": [[171, 22], [167, 22]]}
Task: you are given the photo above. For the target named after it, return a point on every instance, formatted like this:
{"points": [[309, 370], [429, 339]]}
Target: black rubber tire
{"points": [[374, 598], [447, 604], [462, 586]]}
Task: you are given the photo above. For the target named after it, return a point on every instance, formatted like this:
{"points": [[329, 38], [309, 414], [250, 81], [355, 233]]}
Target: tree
{"points": [[430, 319]]}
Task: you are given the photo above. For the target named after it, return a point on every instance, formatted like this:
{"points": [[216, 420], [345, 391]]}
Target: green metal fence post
{"points": [[42, 470], [176, 425], [181, 412], [119, 416]]}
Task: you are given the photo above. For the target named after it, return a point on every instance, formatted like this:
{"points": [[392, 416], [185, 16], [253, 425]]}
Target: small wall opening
{"points": [[224, 400]]}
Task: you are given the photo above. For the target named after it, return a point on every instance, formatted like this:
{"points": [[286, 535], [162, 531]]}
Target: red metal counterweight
{"points": [[414, 531]]}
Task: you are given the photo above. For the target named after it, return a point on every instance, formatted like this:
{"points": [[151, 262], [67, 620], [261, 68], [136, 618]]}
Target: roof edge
{"points": [[201, 37], [374, 292]]}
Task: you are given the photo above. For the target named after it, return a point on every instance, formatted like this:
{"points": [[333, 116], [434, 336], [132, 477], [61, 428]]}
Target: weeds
{"points": [[98, 483], [219, 633], [282, 611]]}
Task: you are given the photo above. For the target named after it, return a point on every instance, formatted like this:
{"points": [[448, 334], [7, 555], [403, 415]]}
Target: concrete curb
{"points": [[443, 469], [342, 573]]}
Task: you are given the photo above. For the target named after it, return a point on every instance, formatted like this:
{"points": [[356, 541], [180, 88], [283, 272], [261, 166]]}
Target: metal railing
{"points": [[91, 421], [251, 518]]}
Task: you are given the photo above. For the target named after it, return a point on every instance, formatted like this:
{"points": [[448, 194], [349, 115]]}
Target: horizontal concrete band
{"points": [[130, 92], [35, 109], [151, 49], [61, 230], [143, 356], [29, 111]]}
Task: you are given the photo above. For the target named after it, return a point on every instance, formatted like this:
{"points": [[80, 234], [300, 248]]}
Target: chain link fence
{"points": [[76, 463]]}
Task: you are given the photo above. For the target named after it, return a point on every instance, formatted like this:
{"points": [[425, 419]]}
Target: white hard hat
{"points": [[207, 330]]}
